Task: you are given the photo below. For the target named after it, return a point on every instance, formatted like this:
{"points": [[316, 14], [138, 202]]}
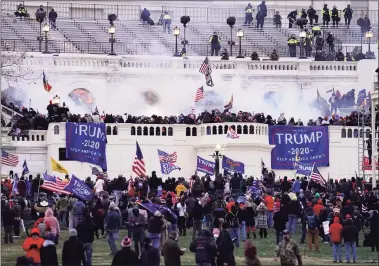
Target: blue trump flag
{"points": [[233, 166], [25, 169], [304, 168], [79, 188], [205, 166], [310, 143], [168, 162], [86, 142]]}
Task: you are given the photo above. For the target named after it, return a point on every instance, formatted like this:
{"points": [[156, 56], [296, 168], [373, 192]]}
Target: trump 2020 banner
{"points": [[232, 166], [310, 143], [205, 166], [79, 188], [303, 168], [86, 142]]}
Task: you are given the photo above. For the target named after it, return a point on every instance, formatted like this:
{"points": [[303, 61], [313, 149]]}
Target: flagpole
{"points": [[310, 178]]}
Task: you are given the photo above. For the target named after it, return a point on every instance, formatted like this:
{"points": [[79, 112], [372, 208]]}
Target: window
{"points": [[343, 133], [139, 131], [157, 131], [220, 130], [56, 130], [214, 130], [244, 129], [194, 131], [151, 131], [62, 155], [170, 132], [239, 129], [208, 130], [188, 131], [109, 130], [114, 130], [164, 131], [145, 131], [133, 131], [349, 133], [251, 130]]}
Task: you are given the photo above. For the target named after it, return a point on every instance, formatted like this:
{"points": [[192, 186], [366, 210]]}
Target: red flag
{"points": [[46, 84]]}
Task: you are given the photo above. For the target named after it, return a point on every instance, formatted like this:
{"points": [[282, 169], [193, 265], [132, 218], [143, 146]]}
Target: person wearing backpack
{"points": [[225, 247], [232, 219], [312, 231]]}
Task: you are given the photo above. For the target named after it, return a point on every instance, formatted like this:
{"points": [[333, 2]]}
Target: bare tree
{"points": [[13, 70]]}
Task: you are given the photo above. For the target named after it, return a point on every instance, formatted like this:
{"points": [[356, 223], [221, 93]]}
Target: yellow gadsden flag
{"points": [[56, 167]]}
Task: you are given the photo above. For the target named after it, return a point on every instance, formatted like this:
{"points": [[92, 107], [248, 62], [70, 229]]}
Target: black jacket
{"points": [[150, 257], [349, 231], [73, 253], [204, 247], [198, 212], [86, 231], [293, 208], [235, 183], [171, 253], [49, 254], [280, 219], [155, 225], [126, 257]]}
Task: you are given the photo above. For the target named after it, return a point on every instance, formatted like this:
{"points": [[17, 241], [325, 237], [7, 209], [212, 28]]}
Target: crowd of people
{"points": [[222, 212]]}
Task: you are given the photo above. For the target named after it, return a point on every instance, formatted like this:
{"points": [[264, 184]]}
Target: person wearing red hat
{"points": [[125, 256]]}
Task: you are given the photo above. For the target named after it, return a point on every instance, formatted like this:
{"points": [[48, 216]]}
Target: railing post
{"points": [[70, 10], [94, 11]]}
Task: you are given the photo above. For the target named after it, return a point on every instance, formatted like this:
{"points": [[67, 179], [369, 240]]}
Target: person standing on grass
{"points": [[155, 225], [349, 235], [112, 227], [126, 256], [336, 239], [72, 252], [86, 232], [171, 251], [32, 246], [150, 255], [48, 252], [280, 220], [288, 251], [262, 220], [251, 258]]}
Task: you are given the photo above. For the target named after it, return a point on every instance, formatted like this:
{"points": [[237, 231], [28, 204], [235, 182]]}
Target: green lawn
{"points": [[265, 248]]}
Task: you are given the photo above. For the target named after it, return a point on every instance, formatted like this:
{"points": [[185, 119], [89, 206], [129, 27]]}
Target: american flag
{"points": [[139, 165], [9, 159], [199, 94], [167, 158], [54, 184], [45, 82], [317, 177], [232, 133], [205, 67]]}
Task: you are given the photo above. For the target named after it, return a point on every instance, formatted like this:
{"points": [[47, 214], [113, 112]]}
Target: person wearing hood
{"points": [[348, 209], [136, 225], [204, 248], [232, 219], [250, 253], [349, 235], [155, 225], [225, 246], [280, 220], [52, 224], [48, 252], [293, 211], [79, 209], [262, 220], [336, 239], [32, 246], [269, 202], [86, 232], [197, 188], [73, 252], [171, 251], [126, 256], [150, 255]]}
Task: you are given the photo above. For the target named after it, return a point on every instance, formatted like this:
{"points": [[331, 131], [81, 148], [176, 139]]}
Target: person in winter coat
{"points": [[225, 246], [150, 255], [336, 238], [197, 188], [7, 217], [32, 246], [280, 220], [79, 210], [262, 220], [52, 224], [234, 226], [251, 258], [86, 232], [72, 252], [171, 251], [204, 248], [349, 235], [48, 252], [154, 229], [21, 187], [293, 210], [61, 207], [126, 256], [198, 217], [136, 228], [113, 226]]}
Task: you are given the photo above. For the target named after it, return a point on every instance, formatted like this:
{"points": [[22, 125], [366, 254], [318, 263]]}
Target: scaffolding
{"points": [[364, 128]]}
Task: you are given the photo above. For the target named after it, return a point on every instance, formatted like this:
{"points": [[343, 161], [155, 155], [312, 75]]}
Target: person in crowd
{"points": [[248, 15], [167, 22], [293, 211], [251, 256], [288, 251], [53, 18], [234, 227], [335, 16], [7, 215], [61, 207], [198, 217], [349, 234], [274, 56], [48, 251], [136, 224], [181, 208], [330, 41], [86, 232], [73, 252], [52, 224], [171, 251], [336, 239], [225, 246], [112, 227], [145, 16], [155, 225], [348, 15], [312, 229], [17, 210], [78, 212], [280, 220], [215, 42], [21, 11], [126, 256], [312, 15], [262, 220], [325, 15], [374, 231], [32, 246], [204, 248], [292, 18], [150, 255], [260, 19], [278, 20]]}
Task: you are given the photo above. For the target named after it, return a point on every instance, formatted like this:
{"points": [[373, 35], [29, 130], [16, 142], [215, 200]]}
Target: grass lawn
{"points": [[265, 248]]}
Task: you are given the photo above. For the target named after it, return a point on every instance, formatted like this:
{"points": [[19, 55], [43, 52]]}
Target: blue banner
{"points": [[310, 143], [86, 142], [205, 166], [79, 188], [303, 168], [233, 166]]}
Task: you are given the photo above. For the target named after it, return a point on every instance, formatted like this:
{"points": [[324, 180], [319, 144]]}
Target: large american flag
{"points": [[167, 158], [205, 67], [199, 94], [54, 184], [9, 159], [317, 177], [232, 133], [139, 165]]}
